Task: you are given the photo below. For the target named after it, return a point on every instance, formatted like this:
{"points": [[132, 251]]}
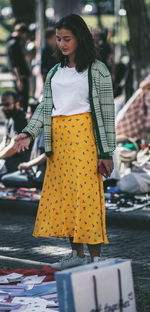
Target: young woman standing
{"points": [[77, 116]]}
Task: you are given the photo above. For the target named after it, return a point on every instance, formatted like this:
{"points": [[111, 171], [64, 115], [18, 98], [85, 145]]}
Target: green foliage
{"points": [[3, 89], [50, 3], [4, 33], [5, 25], [108, 21], [147, 2], [4, 3]]}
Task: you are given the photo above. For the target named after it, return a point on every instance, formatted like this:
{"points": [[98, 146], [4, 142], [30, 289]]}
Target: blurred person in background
{"points": [[15, 118], [30, 173], [104, 51], [18, 63], [15, 122], [48, 60]]}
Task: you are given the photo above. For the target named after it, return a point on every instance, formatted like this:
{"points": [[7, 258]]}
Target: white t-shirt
{"points": [[70, 92]]}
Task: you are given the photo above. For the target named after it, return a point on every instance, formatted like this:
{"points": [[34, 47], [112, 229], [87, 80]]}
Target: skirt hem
{"points": [[104, 241]]}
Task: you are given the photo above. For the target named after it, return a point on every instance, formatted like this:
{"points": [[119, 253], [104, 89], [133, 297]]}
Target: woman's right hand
{"points": [[22, 142]]}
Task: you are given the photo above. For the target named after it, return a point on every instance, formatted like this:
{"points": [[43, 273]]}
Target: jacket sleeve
{"points": [[35, 125], [108, 111]]}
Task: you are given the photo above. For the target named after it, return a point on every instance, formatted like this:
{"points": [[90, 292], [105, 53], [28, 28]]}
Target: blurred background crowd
{"points": [[120, 29]]}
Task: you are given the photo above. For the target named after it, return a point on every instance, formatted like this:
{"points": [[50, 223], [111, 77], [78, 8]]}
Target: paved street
{"points": [[16, 241]]}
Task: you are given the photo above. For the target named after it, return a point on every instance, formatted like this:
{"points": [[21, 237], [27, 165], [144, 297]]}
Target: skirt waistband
{"points": [[72, 116]]}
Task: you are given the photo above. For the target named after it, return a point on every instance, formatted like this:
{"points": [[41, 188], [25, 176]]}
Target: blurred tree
{"points": [[4, 3], [24, 11], [139, 44], [98, 13], [64, 7]]}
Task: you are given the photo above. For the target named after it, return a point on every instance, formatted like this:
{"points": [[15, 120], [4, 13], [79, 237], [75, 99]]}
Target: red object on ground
{"points": [[48, 271]]}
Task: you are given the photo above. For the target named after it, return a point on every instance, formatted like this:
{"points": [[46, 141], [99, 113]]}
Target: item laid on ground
{"points": [[14, 277], [35, 303], [13, 290], [43, 289], [8, 306], [4, 295], [47, 271], [26, 309], [32, 303], [113, 189], [25, 293], [51, 297], [125, 202], [21, 309], [33, 279], [3, 280], [138, 181], [2, 163], [3, 169], [24, 194], [102, 286], [29, 300]]}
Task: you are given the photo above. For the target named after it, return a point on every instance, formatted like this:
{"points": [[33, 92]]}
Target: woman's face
{"points": [[66, 41]]}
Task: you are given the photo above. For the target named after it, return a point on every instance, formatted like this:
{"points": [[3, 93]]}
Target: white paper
{"points": [[13, 290], [40, 309], [33, 280], [3, 280], [21, 309], [4, 295], [50, 296], [3, 292], [12, 277], [29, 309], [8, 306], [33, 304]]}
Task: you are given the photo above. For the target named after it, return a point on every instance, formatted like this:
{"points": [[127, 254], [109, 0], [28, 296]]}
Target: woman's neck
{"points": [[71, 61]]}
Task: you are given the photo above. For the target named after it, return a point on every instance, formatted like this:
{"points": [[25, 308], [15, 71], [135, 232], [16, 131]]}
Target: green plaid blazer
{"points": [[102, 109]]}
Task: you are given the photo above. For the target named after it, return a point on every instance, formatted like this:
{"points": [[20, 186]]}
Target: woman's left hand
{"points": [[22, 142], [108, 164]]}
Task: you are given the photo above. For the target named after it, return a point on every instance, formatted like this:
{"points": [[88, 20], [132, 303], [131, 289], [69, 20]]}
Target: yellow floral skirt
{"points": [[72, 201]]}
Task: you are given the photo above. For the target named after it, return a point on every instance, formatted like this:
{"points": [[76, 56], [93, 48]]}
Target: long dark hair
{"points": [[85, 53]]}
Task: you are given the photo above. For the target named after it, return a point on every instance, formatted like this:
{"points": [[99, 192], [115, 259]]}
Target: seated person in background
{"points": [[15, 122], [25, 177], [15, 116], [31, 173]]}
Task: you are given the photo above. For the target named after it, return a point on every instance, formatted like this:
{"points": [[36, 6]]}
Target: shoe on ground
{"points": [[97, 259], [69, 261], [100, 259]]}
